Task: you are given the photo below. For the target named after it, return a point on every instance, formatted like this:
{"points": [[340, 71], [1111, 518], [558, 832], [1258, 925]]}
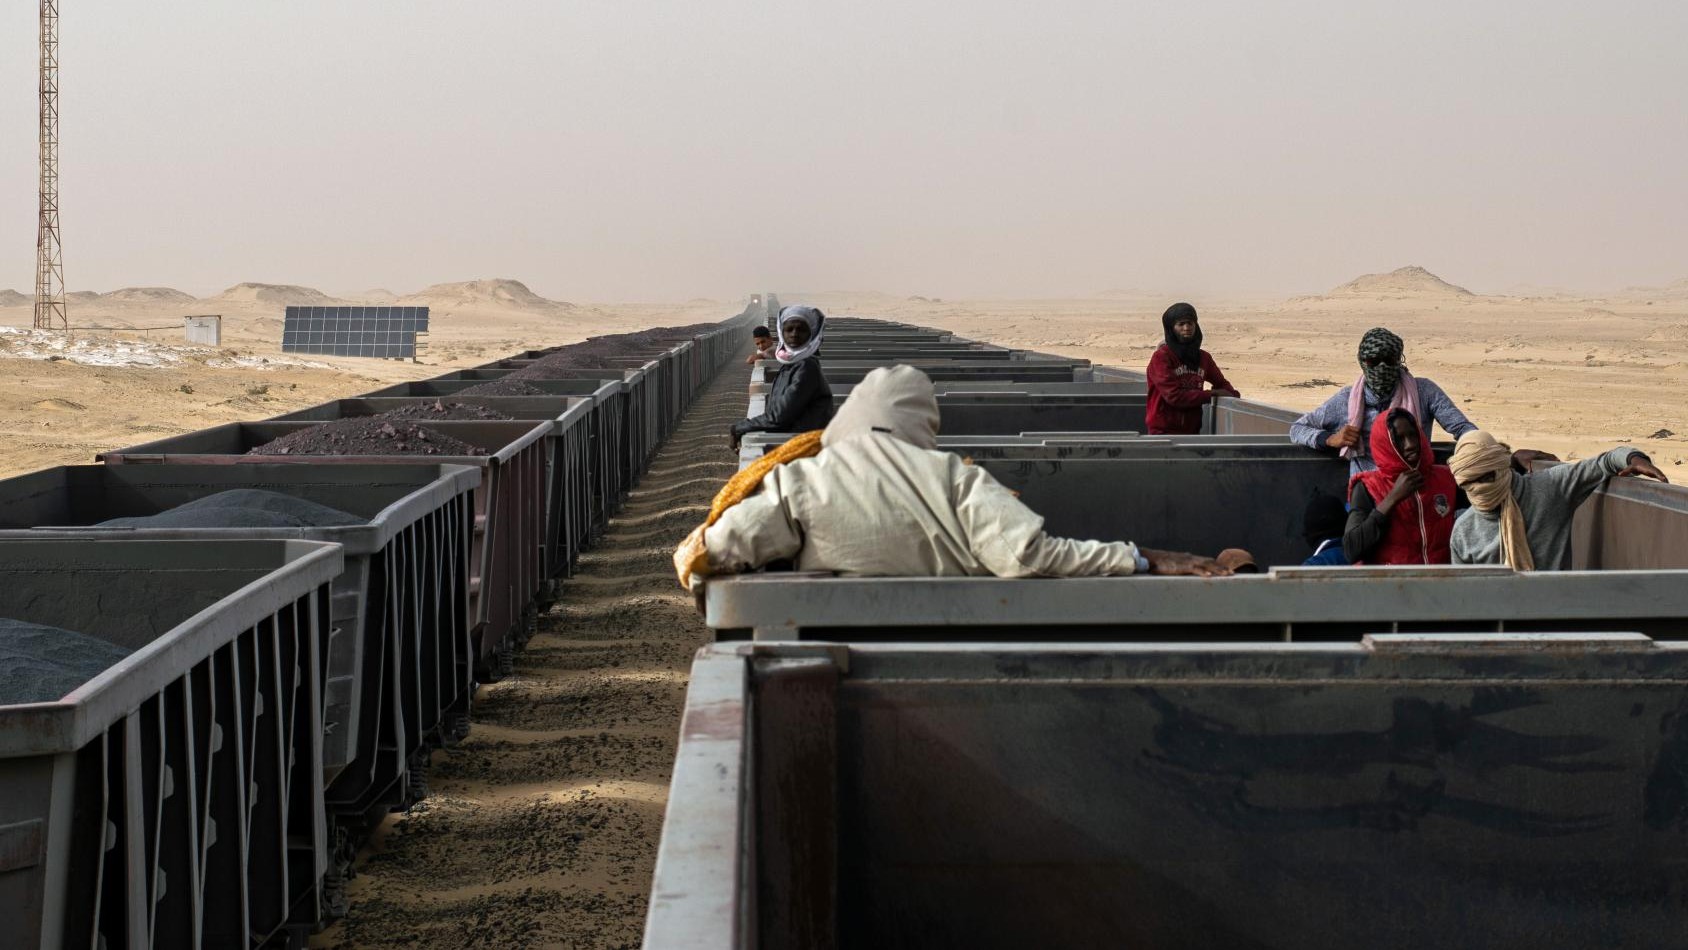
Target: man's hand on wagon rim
{"points": [[1180, 563]]}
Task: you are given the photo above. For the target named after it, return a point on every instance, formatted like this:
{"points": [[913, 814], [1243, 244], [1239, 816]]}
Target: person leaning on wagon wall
{"points": [[1177, 372], [1524, 521], [872, 496], [800, 398], [1345, 420], [763, 340]]}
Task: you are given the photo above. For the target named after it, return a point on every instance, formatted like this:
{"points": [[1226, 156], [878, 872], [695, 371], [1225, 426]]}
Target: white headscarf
{"points": [[816, 322]]}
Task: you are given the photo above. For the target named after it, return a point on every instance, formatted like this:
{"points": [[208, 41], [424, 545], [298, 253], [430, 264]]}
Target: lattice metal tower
{"points": [[49, 259]]}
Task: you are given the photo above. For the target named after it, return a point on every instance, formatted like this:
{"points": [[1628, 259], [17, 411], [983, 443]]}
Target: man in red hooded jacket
{"points": [[1402, 513]]}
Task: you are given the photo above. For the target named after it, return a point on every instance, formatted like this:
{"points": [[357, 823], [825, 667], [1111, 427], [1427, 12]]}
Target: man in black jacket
{"points": [[800, 399]]}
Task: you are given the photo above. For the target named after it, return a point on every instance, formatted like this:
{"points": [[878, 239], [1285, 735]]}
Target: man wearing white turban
{"points": [[800, 399]]}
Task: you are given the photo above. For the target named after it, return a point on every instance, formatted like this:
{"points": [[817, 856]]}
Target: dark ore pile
{"points": [[504, 387], [41, 664], [367, 436], [439, 411], [242, 508]]}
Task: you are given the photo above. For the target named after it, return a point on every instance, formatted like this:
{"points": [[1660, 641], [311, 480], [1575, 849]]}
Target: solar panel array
{"points": [[382, 332]]}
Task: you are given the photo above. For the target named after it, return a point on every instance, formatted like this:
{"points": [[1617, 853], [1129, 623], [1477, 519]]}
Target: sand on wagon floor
{"points": [[541, 828]]}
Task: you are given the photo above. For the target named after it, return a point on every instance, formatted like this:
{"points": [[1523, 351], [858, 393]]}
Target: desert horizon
{"points": [[1407, 282], [1550, 370]]}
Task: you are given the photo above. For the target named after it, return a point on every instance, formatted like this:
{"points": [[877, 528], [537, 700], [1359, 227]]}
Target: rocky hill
{"points": [[499, 293], [291, 295], [1411, 281], [160, 296]]}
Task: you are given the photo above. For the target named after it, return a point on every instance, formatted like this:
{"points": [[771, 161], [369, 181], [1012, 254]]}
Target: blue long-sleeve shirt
{"points": [[1315, 427]]}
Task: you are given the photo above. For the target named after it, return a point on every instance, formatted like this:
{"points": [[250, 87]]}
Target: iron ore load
{"points": [[1298, 757]]}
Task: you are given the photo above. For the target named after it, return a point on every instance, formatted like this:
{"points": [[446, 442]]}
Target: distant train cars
{"points": [[290, 633]]}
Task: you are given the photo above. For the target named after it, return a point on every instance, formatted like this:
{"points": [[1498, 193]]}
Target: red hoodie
{"points": [[1420, 526], [1176, 395]]}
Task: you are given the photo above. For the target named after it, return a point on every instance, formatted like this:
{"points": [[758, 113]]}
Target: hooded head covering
{"points": [[1475, 455], [1190, 354], [1325, 518], [1379, 343], [816, 322], [1390, 464], [893, 400]]}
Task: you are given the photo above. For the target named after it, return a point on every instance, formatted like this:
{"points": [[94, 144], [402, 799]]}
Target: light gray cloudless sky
{"points": [[658, 149]]}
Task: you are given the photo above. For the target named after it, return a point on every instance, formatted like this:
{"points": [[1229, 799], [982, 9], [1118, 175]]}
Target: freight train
{"points": [[229, 653], [1306, 758], [1301, 758]]}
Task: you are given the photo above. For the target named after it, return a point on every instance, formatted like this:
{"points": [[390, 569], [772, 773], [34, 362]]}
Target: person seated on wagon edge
{"points": [[872, 496], [800, 399]]}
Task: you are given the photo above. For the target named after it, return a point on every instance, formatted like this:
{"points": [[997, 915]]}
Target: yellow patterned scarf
{"points": [[691, 558]]}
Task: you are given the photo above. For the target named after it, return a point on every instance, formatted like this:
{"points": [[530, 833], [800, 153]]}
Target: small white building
{"points": [[205, 330]]}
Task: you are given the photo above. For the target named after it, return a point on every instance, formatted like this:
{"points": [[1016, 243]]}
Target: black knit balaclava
{"points": [[1385, 376], [1190, 354]]}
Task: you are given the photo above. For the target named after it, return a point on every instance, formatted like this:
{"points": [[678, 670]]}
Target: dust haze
{"points": [[664, 151]]}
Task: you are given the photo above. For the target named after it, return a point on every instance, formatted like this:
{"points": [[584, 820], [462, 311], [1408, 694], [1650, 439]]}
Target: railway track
{"points": [[541, 827]]}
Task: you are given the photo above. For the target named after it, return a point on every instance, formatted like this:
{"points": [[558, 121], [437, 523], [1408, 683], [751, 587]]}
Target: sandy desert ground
{"points": [[1556, 370]]}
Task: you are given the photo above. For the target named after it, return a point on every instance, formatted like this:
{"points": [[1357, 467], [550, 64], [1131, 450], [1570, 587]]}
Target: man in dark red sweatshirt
{"points": [[1178, 373]]}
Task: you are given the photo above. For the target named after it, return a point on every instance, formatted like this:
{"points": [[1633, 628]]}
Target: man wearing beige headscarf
{"points": [[1524, 521]]}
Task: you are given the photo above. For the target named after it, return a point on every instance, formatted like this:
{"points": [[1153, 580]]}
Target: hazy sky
{"points": [[641, 150]]}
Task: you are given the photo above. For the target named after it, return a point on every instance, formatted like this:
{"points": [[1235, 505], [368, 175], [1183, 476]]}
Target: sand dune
{"points": [[499, 293], [283, 294], [11, 298], [82, 296]]}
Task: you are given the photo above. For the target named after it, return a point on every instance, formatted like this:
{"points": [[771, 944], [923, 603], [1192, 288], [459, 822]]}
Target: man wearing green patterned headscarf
{"points": [[1344, 421], [1380, 360]]}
